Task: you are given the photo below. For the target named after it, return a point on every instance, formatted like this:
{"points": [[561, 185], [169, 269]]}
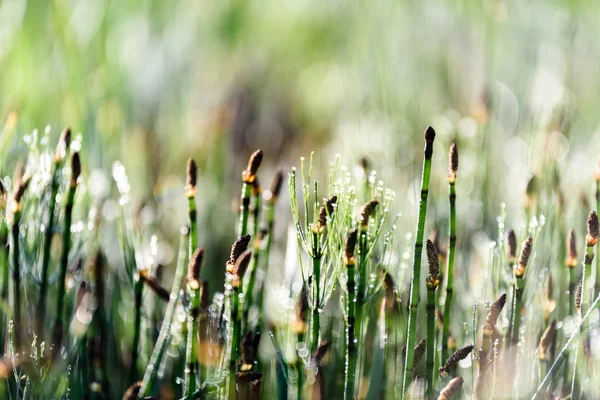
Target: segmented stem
{"points": [[430, 352], [416, 270], [351, 350], [449, 272], [191, 365], [16, 275], [244, 209]]}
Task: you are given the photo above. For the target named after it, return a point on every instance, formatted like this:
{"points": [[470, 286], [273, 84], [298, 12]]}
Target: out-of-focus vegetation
{"points": [[145, 85]]}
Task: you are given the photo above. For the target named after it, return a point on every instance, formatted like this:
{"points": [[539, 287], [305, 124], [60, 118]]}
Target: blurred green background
{"points": [[152, 83]]}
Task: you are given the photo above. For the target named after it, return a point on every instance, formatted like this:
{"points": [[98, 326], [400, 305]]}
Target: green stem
{"points": [[41, 308], [165, 329], [270, 217], [300, 369], [244, 209], [138, 289], [517, 311], [511, 309], [235, 340], [430, 354], [249, 292], [64, 261], [316, 315], [17, 331], [350, 334], [191, 363], [4, 266], [564, 352], [416, 270], [572, 288], [449, 273]]}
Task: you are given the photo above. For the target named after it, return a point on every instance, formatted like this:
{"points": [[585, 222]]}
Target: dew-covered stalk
{"points": [[366, 212], [66, 242], [416, 271], [351, 356], [193, 281], [591, 239], [249, 290], [248, 178], [237, 275], [300, 328], [511, 241], [165, 328], [482, 388], [432, 282], [16, 269], [191, 354], [57, 162], [564, 352], [519, 271], [453, 164], [138, 288], [4, 262]]}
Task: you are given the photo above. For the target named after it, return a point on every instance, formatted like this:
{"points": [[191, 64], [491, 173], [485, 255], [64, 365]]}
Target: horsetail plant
{"points": [[57, 162], [237, 271], [519, 271], [597, 179], [416, 270], [453, 167], [351, 356], [482, 388], [571, 263], [248, 179], [64, 260], [17, 196], [591, 239], [191, 355], [454, 358], [432, 283]]}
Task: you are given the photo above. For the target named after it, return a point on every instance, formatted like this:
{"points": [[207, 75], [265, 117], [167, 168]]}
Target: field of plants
{"points": [[307, 200]]}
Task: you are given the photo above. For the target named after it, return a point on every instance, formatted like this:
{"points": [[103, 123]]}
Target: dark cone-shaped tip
{"points": [[433, 259], [191, 173], [526, 251], [350, 246], [241, 264], [453, 158], [366, 211], [276, 186], [494, 313], [238, 248], [419, 351], [254, 162], [512, 244], [429, 134], [571, 249], [455, 357], [593, 227], [326, 210], [194, 268], [133, 391]]}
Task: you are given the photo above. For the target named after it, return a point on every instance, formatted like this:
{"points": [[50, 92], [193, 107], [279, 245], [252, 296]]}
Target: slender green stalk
{"points": [[165, 329], [512, 256], [138, 288], [416, 271], [249, 291], [564, 352], [193, 285], [351, 350], [432, 283], [191, 355], [519, 275], [453, 163], [248, 179], [18, 332], [64, 259], [61, 149], [316, 313], [4, 266]]}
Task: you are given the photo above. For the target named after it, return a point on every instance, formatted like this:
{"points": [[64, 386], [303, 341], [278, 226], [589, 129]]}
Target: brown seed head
{"points": [[451, 388], [276, 186], [546, 341], [524, 257], [593, 228], [191, 176], [19, 192], [240, 267], [571, 249], [419, 351], [454, 358], [194, 269], [63, 144], [366, 211], [494, 313], [350, 247], [531, 192], [154, 284], [453, 163], [429, 134], [434, 265], [512, 245], [75, 168], [238, 247], [326, 210], [249, 174]]}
